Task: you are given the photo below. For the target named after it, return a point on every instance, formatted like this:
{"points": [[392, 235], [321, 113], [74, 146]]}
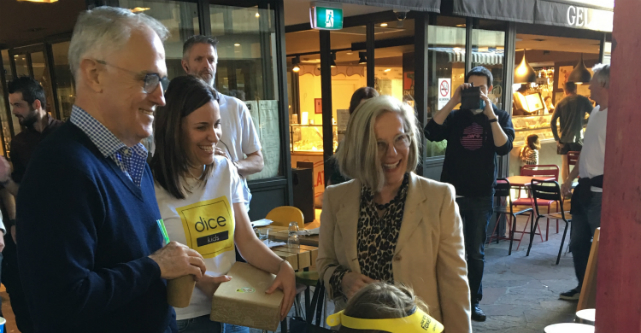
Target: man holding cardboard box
{"points": [[91, 255]]}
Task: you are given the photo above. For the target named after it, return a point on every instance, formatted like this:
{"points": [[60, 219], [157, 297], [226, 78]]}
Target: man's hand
{"points": [[1, 241], [456, 98], [566, 188], [13, 234], [353, 282], [176, 260], [5, 169], [560, 144], [285, 281], [208, 284], [488, 111]]}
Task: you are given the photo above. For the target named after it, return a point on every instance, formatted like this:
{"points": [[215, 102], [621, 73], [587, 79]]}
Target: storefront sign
{"points": [[444, 91], [323, 17], [567, 15]]}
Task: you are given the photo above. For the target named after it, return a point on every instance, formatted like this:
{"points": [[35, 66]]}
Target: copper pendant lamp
{"points": [[524, 73]]}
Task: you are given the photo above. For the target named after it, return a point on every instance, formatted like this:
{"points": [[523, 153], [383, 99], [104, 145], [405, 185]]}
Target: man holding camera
{"points": [[475, 134]]}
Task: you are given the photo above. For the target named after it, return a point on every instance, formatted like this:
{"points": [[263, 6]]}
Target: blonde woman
{"points": [[388, 224]]}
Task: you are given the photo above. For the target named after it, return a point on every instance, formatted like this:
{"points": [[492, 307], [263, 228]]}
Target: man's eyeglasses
{"points": [[401, 142], [151, 80]]}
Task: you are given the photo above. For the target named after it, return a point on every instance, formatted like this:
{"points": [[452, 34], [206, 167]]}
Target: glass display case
{"points": [[309, 138], [539, 125]]}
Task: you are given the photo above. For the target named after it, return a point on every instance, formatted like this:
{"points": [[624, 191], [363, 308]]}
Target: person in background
{"points": [[192, 181], [382, 300], [28, 103], [587, 197], [239, 138], [388, 224], [570, 112], [529, 154], [548, 104], [91, 255], [474, 139], [360, 95], [240, 141]]}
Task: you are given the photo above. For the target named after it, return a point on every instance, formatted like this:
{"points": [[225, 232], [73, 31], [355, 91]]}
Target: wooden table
{"points": [[281, 233], [300, 259]]}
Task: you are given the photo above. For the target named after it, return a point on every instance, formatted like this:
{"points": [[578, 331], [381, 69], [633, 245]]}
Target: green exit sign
{"points": [[326, 18]]}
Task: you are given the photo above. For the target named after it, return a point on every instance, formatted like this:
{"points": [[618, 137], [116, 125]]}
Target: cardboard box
{"points": [[242, 301]]}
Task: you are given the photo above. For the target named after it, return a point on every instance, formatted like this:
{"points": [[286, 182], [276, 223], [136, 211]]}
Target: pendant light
{"points": [[296, 63], [362, 58], [524, 72], [580, 73]]}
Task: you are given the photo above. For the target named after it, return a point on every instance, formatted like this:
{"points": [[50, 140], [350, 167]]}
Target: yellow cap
{"points": [[417, 322]]}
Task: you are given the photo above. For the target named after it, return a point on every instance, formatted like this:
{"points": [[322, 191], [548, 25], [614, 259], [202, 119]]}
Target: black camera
{"points": [[471, 99]]}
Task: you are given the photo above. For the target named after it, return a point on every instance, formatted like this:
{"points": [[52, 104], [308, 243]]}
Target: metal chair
{"points": [[505, 208], [548, 190], [545, 171], [573, 159]]}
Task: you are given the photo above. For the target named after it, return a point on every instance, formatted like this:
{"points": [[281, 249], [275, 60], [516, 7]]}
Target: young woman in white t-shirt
{"points": [[201, 202]]}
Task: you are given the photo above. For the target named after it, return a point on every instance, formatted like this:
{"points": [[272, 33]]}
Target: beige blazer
{"points": [[429, 257]]}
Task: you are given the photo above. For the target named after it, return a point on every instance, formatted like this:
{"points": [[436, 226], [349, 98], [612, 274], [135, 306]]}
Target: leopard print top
{"points": [[376, 236]]}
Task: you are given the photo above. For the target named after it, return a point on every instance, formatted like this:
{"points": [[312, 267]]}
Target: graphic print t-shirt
{"points": [[204, 221], [472, 138]]}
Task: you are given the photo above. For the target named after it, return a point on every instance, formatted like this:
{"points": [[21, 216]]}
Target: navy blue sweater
{"points": [[85, 235], [470, 156]]}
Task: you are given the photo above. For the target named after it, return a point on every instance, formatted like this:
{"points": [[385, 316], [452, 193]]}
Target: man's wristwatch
{"points": [[494, 120]]}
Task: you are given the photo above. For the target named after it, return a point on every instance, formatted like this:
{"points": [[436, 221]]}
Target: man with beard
{"points": [[239, 136], [28, 103], [200, 58]]}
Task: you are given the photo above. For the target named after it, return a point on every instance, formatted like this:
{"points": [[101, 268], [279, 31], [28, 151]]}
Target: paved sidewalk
{"points": [[520, 293]]}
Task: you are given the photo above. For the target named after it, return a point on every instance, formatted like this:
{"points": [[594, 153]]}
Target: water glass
{"points": [[262, 234]]}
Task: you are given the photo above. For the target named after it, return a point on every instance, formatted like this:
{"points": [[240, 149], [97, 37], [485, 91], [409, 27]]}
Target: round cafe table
{"points": [[586, 316], [569, 328]]}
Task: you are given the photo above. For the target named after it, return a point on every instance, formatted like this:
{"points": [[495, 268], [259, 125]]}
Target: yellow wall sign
{"points": [[209, 226]]}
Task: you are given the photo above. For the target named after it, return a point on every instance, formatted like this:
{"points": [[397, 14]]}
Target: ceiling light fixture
{"points": [[383, 25], [362, 58], [524, 73], [387, 70], [257, 15], [139, 9], [580, 73], [39, 1], [296, 63], [236, 45]]}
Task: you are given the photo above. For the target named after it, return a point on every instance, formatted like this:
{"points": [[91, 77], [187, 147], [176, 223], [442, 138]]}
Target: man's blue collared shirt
{"points": [[130, 160]]}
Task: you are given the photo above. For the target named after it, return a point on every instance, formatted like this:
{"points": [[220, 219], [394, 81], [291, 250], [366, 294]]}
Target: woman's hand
{"points": [[353, 282], [209, 284], [285, 281]]}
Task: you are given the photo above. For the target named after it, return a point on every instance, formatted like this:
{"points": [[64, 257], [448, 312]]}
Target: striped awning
{"points": [[488, 58]]}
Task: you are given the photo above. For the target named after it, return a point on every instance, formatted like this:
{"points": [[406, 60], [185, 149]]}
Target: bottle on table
{"points": [[293, 241]]}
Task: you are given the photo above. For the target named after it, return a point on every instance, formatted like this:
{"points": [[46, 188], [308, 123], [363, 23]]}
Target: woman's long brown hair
{"points": [[170, 162]]}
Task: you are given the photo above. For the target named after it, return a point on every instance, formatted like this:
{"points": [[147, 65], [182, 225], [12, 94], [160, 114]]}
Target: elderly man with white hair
{"points": [[91, 252]]}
